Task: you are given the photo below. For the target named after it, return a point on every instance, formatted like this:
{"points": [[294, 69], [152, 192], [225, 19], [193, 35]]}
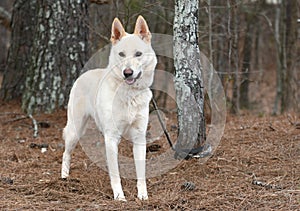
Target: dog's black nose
{"points": [[128, 72]]}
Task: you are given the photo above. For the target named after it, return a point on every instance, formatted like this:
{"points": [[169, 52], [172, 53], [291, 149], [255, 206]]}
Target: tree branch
{"points": [[5, 18], [35, 126]]}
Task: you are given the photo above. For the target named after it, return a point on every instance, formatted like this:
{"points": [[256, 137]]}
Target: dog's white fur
{"points": [[119, 105]]}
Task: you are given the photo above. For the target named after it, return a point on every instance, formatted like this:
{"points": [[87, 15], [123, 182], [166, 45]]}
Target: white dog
{"points": [[117, 98]]}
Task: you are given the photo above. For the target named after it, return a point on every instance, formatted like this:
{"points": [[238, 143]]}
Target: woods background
{"points": [[254, 46]]}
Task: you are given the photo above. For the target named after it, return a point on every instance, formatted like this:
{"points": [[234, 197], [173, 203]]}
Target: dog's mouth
{"points": [[131, 80]]}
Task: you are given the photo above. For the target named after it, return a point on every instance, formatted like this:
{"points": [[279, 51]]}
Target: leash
{"points": [[199, 152], [162, 124]]}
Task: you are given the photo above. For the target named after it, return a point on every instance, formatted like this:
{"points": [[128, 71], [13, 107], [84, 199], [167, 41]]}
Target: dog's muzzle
{"points": [[128, 74]]}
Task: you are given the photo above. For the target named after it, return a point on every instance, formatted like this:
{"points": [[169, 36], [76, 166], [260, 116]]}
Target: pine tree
{"points": [[54, 54]]}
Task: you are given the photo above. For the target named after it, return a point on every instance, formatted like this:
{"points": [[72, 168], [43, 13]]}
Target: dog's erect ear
{"points": [[117, 31], [141, 29]]}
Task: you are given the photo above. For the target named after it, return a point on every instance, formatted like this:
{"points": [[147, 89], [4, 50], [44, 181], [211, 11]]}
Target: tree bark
{"points": [[235, 58], [188, 76], [291, 91], [58, 54], [246, 65], [281, 62], [18, 61], [285, 34]]}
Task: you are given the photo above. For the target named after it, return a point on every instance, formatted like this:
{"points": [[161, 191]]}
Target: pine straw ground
{"points": [[256, 167]]}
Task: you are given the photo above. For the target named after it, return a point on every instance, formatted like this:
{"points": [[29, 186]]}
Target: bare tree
{"points": [[188, 76], [18, 61], [281, 68], [291, 93], [285, 34], [235, 57], [5, 32], [247, 54]]}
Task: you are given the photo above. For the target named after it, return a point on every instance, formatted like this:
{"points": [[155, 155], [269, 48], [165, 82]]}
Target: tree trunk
{"points": [[281, 62], [235, 58], [290, 96], [188, 76], [59, 52], [287, 90], [246, 66], [19, 55]]}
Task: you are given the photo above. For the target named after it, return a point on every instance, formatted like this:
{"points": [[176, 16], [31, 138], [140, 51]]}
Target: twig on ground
{"points": [[8, 113], [271, 127], [16, 119], [35, 126]]}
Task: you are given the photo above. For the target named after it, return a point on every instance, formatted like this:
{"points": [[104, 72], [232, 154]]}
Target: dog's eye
{"points": [[122, 54], [138, 54]]}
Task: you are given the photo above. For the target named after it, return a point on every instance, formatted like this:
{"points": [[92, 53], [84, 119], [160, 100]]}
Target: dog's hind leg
{"points": [[71, 139], [72, 132]]}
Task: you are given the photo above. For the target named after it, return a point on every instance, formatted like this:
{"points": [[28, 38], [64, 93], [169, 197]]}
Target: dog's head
{"points": [[132, 57]]}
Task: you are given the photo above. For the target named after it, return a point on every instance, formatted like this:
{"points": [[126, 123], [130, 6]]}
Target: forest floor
{"points": [[255, 167]]}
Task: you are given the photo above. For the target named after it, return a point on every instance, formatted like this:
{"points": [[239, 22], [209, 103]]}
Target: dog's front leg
{"points": [[111, 146], [139, 152]]}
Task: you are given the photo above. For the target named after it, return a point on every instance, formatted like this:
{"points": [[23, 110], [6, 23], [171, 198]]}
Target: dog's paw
{"points": [[143, 197], [64, 173], [64, 176], [121, 199], [119, 196], [142, 190]]}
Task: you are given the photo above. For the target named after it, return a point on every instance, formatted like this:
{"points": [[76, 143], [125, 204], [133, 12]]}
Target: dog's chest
{"points": [[119, 109], [134, 105]]}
